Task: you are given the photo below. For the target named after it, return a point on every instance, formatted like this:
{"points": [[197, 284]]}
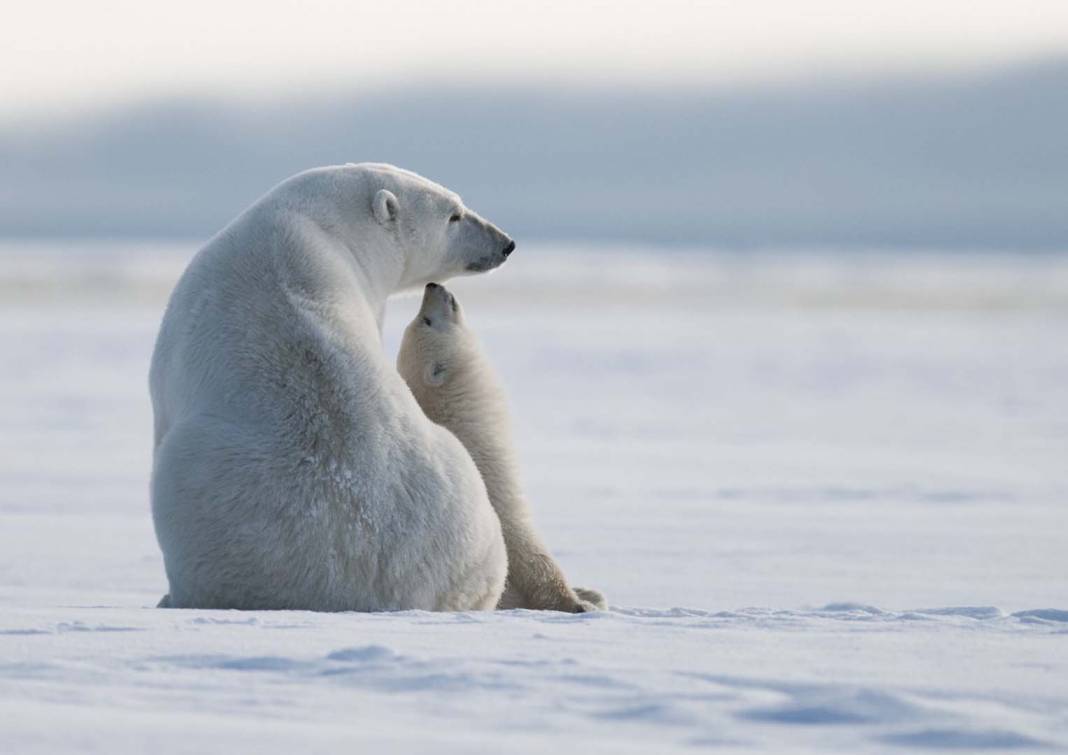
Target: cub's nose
{"points": [[508, 249]]}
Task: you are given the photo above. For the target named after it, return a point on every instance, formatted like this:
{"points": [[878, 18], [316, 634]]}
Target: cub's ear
{"points": [[434, 374], [385, 207]]}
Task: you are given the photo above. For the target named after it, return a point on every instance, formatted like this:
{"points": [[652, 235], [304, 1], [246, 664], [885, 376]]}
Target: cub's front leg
{"points": [[535, 581], [592, 596]]}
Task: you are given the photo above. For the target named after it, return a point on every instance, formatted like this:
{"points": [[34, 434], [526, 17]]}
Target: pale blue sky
{"points": [[76, 54], [935, 123]]}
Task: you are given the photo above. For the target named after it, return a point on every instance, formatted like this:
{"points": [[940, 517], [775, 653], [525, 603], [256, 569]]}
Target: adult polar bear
{"points": [[292, 466]]}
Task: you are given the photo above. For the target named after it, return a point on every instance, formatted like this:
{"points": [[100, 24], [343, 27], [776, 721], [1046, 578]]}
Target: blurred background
{"points": [[822, 123]]}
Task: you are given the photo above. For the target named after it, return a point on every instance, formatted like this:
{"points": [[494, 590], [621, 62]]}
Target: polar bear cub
{"points": [[452, 381]]}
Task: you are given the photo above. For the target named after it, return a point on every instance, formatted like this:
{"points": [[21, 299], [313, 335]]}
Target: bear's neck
{"points": [[336, 232], [376, 269], [379, 274]]}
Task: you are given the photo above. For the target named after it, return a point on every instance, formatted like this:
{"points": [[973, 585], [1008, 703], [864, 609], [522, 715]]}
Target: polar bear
{"points": [[293, 468], [442, 363]]}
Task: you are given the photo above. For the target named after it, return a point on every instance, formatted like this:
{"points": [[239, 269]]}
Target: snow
{"points": [[824, 494]]}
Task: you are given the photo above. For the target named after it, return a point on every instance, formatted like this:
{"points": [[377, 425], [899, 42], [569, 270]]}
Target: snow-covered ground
{"points": [[827, 497]]}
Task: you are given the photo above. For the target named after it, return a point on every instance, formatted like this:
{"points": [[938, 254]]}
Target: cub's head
{"points": [[437, 346], [438, 236]]}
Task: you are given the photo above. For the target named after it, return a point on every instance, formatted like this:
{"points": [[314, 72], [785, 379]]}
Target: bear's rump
{"points": [[244, 524]]}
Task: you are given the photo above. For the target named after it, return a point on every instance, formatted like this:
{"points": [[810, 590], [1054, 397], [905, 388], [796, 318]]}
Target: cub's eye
{"points": [[426, 321], [454, 218]]}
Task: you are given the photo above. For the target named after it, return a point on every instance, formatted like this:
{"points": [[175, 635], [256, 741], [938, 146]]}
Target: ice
{"points": [[825, 496]]}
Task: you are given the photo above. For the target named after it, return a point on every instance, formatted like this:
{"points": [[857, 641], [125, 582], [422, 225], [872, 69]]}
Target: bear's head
{"points": [[437, 235], [437, 345]]}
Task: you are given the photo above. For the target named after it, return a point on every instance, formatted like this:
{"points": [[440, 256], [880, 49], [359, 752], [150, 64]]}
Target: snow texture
{"points": [[825, 496]]}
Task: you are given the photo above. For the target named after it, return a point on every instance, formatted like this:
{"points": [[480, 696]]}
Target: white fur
{"points": [[456, 386], [293, 468]]}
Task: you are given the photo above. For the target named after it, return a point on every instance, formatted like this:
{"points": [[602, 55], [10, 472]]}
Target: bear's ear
{"points": [[434, 374], [385, 207]]}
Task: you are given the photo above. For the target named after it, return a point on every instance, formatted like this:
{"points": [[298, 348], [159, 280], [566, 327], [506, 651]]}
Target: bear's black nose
{"points": [[508, 249], [431, 285]]}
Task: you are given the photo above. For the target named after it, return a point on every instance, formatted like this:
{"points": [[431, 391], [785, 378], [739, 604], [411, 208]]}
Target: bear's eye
{"points": [[454, 218], [426, 321]]}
